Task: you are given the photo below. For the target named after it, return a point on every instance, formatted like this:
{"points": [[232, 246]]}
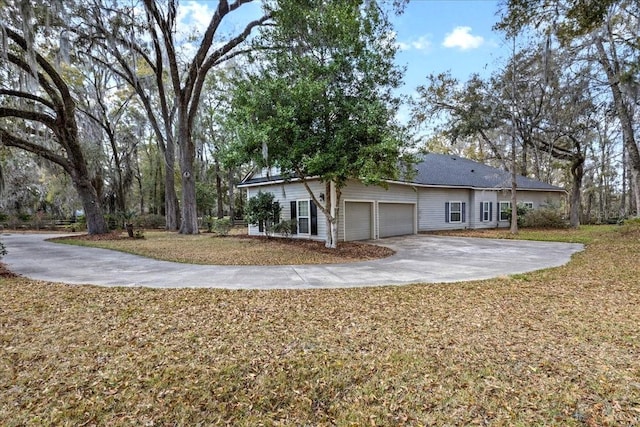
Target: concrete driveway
{"points": [[418, 259]]}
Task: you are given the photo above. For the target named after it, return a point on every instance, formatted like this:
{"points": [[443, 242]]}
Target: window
{"points": [[528, 205], [485, 212], [454, 211], [505, 211], [303, 216]]}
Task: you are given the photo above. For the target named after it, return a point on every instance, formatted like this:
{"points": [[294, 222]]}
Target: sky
{"points": [[433, 36], [456, 36], [448, 35]]}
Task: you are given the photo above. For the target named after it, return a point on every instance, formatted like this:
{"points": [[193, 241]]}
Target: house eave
{"points": [[275, 182], [469, 187]]}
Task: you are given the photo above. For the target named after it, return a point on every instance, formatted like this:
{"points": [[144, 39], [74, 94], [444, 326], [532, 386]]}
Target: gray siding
{"points": [[429, 204], [356, 191], [477, 197], [431, 208], [538, 198], [285, 193]]}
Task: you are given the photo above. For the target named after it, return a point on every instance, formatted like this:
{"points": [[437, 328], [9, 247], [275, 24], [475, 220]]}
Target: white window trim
{"points": [[528, 205], [486, 211], [307, 217], [500, 210], [458, 212]]}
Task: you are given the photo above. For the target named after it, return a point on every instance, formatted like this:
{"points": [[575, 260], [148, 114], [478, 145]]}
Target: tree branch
{"points": [[25, 95], [35, 116], [13, 141], [58, 81]]}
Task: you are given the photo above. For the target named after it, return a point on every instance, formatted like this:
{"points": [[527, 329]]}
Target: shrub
{"points": [[630, 226], [522, 211], [544, 217], [221, 226], [149, 221], [285, 227], [3, 250], [263, 210]]}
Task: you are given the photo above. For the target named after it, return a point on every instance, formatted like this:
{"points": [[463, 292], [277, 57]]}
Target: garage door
{"points": [[396, 219], [357, 220]]}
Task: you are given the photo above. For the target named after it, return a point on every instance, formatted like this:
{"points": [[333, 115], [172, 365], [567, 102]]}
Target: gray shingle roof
{"points": [[450, 171], [454, 171]]}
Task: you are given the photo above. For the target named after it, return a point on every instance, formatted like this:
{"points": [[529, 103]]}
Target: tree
{"points": [[263, 210], [39, 115], [542, 100], [605, 33], [178, 82], [321, 105]]}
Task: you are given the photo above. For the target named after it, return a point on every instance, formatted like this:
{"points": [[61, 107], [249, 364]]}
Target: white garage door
{"points": [[357, 221], [396, 219]]}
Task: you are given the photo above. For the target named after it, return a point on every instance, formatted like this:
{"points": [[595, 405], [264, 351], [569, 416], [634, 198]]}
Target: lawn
{"points": [[555, 347], [231, 250]]}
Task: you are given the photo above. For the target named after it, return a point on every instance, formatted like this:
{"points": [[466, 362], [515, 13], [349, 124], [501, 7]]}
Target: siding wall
{"points": [[285, 193], [429, 203], [478, 196], [538, 198], [431, 208], [356, 191]]}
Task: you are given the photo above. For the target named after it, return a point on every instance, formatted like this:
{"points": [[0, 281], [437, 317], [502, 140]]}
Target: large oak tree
{"points": [[321, 103]]}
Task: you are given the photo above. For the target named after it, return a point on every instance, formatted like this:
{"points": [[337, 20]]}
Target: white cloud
{"points": [[461, 38], [194, 16], [422, 43]]}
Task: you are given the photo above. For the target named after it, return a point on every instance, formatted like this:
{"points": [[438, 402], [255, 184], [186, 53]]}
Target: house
{"points": [[447, 192]]}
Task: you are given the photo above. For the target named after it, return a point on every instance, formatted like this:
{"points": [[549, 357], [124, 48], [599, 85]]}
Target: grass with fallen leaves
{"points": [[232, 250], [555, 347]]}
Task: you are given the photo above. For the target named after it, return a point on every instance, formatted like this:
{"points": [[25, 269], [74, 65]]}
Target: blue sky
{"points": [[456, 35], [433, 36]]}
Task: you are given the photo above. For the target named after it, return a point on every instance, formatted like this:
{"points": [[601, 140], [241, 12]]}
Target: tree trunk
{"points": [[335, 210], [189, 224], [514, 185], [328, 242], [625, 117], [575, 202], [232, 197], [171, 207], [96, 223], [219, 199]]}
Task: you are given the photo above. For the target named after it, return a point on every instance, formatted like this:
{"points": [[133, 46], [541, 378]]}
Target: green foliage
{"points": [[522, 210], [221, 226], [149, 221], [3, 217], [543, 217], [630, 227], [578, 17], [285, 227], [325, 107], [205, 196], [263, 209]]}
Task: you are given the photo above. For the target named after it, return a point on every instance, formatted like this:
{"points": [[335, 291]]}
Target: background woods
{"points": [[115, 111]]}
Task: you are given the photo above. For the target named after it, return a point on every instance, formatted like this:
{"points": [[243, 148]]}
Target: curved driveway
{"points": [[418, 259]]}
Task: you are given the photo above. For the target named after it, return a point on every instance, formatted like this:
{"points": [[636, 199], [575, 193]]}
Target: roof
{"points": [[443, 170], [454, 171]]}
